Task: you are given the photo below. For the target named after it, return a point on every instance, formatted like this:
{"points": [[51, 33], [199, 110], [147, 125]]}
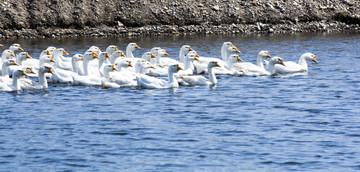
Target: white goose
{"points": [[5, 66], [22, 56], [271, 65], [42, 79], [6, 55], [116, 55], [103, 58], [231, 60], [292, 67], [224, 52], [51, 49], [35, 62], [162, 61], [61, 61], [15, 86], [188, 66], [250, 69], [120, 78], [15, 47], [145, 81], [200, 80], [88, 79]]}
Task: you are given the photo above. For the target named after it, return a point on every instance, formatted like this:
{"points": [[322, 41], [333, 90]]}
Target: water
{"points": [[297, 123]]}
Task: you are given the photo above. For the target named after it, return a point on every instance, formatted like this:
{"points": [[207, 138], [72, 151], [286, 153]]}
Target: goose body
{"points": [[15, 86], [145, 81], [251, 69], [292, 67], [200, 80]]}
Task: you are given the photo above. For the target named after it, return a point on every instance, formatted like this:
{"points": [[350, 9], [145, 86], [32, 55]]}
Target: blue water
{"points": [[296, 123]]}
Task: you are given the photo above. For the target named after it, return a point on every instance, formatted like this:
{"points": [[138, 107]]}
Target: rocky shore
{"points": [[65, 18]]}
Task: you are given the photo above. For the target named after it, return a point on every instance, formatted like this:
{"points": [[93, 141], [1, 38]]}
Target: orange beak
{"points": [[64, 52], [20, 48], [95, 55], [239, 59], [24, 73], [32, 71], [190, 49], [130, 64], [27, 56], [12, 54], [114, 68], [1, 45], [282, 63], [237, 50], [196, 57], [268, 55], [116, 49], [136, 46], [166, 54], [217, 64], [178, 67], [52, 60], [51, 71], [107, 55], [122, 54], [314, 60], [152, 55], [82, 57], [48, 52], [17, 64]]}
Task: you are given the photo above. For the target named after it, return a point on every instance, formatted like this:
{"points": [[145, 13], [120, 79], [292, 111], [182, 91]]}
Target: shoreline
{"points": [[203, 29]]}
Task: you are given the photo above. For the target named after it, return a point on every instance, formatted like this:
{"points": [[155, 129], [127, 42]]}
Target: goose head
{"points": [[148, 55], [111, 49], [175, 68], [15, 47], [277, 60], [118, 53], [264, 54], [29, 70], [155, 50], [133, 46], [18, 73], [124, 64], [46, 69], [234, 58], [47, 59], [10, 62], [109, 68], [309, 57], [192, 56], [90, 55], [7, 54], [94, 48], [78, 57], [23, 56], [162, 52], [51, 49], [232, 49], [60, 51], [103, 56], [186, 48], [213, 64]]}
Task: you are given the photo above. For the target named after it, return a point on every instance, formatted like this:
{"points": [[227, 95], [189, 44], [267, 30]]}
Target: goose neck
{"points": [[172, 80], [129, 52], [259, 61], [75, 65], [16, 83], [42, 79], [4, 68], [212, 77]]}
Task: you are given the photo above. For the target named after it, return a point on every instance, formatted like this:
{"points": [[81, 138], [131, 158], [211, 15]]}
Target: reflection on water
{"points": [[306, 122]]}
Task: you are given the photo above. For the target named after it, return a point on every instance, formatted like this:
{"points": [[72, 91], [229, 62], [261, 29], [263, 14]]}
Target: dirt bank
{"points": [[53, 18]]}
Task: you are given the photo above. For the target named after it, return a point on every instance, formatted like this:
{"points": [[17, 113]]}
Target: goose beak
{"points": [[130, 64], [1, 45], [32, 71], [314, 60], [237, 50], [12, 54], [136, 46], [16, 64], [28, 56], [239, 59], [153, 55], [268, 55], [116, 49], [65, 53], [95, 55], [114, 68], [51, 71], [217, 64], [52, 60], [282, 63], [122, 54], [178, 67], [151, 66], [196, 57], [166, 54], [48, 52], [107, 55], [20, 49], [24, 73], [82, 57], [190, 49]]}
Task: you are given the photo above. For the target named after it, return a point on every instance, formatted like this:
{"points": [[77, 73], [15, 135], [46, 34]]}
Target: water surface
{"points": [[298, 123]]}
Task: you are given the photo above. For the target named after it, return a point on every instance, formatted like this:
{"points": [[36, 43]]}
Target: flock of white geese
{"points": [[113, 69]]}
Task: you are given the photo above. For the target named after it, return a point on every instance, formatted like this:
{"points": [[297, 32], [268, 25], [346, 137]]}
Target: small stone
{"points": [[216, 8]]}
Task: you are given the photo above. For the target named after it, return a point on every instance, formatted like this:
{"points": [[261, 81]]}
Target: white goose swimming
{"points": [[188, 66], [162, 61], [224, 52], [121, 78], [103, 58], [6, 55], [145, 81], [35, 62], [42, 84], [5, 66], [111, 49], [271, 65], [250, 69], [60, 59], [15, 47], [116, 55], [200, 80], [231, 60], [292, 67], [22, 56], [15, 86]]}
